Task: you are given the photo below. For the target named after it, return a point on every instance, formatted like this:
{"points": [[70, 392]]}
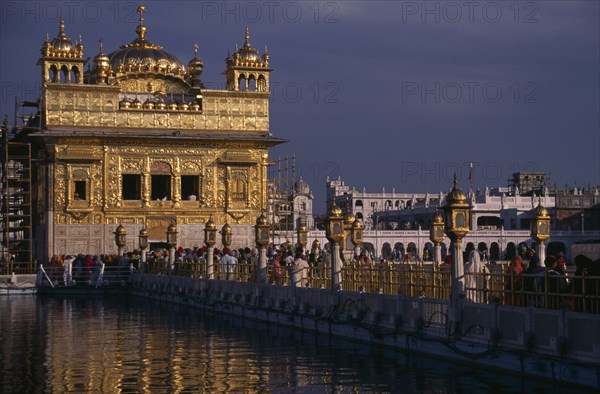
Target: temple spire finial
{"points": [[195, 50], [141, 29], [247, 42]]}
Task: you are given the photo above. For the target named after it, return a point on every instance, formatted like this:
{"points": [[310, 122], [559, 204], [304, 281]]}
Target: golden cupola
{"points": [[195, 68], [247, 56], [61, 46], [246, 69], [61, 60], [101, 66]]}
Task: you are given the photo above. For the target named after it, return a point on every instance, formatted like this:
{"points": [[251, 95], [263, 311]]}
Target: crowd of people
{"points": [[530, 283], [526, 281]]}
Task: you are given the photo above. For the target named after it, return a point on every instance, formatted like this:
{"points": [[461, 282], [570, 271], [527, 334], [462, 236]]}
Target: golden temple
{"points": [[137, 140]]}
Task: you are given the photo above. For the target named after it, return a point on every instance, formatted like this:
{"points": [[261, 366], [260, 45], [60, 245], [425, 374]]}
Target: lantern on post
{"points": [[120, 239], [262, 235], [436, 235], [356, 236], [210, 239], [172, 242], [335, 234], [302, 236], [457, 211], [335, 223], [172, 235], [226, 235], [540, 229], [262, 231], [210, 233], [143, 239], [143, 244]]}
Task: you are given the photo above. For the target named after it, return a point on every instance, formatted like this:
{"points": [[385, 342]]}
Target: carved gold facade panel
{"points": [[152, 85], [231, 182]]}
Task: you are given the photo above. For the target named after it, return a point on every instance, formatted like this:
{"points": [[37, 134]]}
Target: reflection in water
{"points": [[133, 345]]}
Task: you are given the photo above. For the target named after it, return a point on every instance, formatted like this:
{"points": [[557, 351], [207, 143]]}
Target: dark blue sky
{"points": [[384, 94]]}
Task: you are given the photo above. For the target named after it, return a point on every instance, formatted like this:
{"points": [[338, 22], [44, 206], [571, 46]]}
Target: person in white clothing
{"points": [[476, 274], [228, 263]]}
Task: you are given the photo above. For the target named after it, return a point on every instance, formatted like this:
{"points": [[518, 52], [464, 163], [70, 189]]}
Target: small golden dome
{"points": [[148, 104], [195, 65], [247, 56], [124, 103], [456, 196], [540, 211], [335, 210], [262, 220], [357, 225], [302, 228], [349, 219], [438, 218], [226, 229], [210, 225], [62, 42], [101, 58], [120, 230], [172, 228]]}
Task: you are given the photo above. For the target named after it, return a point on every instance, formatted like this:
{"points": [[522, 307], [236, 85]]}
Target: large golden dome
{"points": [[142, 55]]}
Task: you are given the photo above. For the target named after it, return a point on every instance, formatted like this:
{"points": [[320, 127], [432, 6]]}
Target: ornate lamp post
{"points": [[457, 226], [210, 239], [120, 239], [436, 235], [302, 233], [226, 235], [263, 235], [335, 234], [356, 236], [540, 230], [143, 244], [172, 241], [315, 249], [346, 244]]}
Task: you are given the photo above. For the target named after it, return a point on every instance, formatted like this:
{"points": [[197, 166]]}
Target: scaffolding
{"points": [[282, 178], [16, 252]]}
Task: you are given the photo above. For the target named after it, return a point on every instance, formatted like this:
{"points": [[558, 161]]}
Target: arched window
{"points": [[74, 75], [261, 84], [242, 82], [251, 83], [54, 74], [238, 186], [64, 74]]}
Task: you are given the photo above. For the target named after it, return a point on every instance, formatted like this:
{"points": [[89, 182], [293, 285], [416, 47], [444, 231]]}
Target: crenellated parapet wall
{"points": [[94, 106]]}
